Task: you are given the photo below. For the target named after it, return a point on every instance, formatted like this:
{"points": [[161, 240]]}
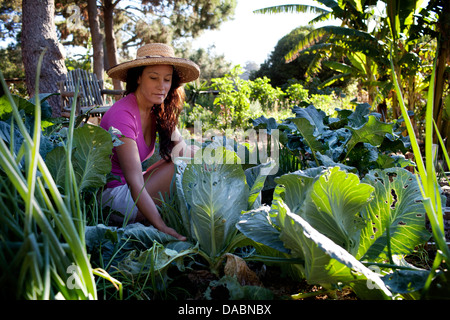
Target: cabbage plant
{"points": [[212, 193], [339, 227], [355, 140]]}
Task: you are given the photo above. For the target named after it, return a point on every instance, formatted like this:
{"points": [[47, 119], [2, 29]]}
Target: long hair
{"points": [[167, 113]]}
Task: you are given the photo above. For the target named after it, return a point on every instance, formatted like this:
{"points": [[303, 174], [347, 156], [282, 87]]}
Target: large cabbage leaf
{"points": [[216, 194], [91, 158], [294, 188], [334, 205], [372, 132], [325, 261], [261, 227], [397, 208], [330, 200], [330, 224]]}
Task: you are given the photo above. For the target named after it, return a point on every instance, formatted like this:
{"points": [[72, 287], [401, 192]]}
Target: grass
{"points": [[427, 176], [43, 236]]}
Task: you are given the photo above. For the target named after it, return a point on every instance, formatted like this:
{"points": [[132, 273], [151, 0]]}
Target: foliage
{"points": [[92, 144], [148, 22], [233, 97], [355, 140], [11, 64], [90, 158], [232, 100], [238, 291], [44, 254], [332, 222], [433, 21], [211, 193], [198, 113], [136, 251], [429, 186], [297, 94], [361, 47], [9, 17], [274, 67], [262, 91]]}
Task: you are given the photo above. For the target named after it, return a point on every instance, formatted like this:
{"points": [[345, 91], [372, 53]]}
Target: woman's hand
{"points": [[173, 233]]}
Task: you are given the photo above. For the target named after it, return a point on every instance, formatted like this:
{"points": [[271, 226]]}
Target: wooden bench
{"points": [[91, 97]]}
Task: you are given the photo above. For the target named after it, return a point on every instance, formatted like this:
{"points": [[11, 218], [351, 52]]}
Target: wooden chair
{"points": [[91, 97]]}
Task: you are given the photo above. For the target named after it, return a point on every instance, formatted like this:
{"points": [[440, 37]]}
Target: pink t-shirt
{"points": [[124, 115]]}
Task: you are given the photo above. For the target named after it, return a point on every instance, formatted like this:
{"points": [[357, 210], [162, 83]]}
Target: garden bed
{"points": [[283, 287], [197, 282]]}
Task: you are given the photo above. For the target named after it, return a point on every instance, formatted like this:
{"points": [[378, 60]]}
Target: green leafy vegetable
{"points": [[335, 223], [211, 197], [92, 149], [355, 141], [397, 213]]}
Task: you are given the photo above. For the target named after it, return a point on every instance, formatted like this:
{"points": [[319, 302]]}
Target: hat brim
{"points": [[187, 70]]}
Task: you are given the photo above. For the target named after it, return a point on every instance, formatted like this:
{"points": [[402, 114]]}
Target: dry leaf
{"points": [[237, 267]]}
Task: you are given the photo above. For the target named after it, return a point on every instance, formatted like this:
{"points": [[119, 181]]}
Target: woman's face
{"points": [[155, 82]]}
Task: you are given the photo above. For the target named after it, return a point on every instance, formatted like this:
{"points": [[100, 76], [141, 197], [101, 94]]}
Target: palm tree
{"points": [[359, 50], [363, 41]]}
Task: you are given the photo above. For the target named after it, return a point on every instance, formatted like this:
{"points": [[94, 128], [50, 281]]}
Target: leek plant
{"points": [[42, 236], [426, 174]]}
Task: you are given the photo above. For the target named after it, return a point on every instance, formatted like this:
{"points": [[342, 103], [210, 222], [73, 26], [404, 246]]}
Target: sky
{"points": [[252, 37]]}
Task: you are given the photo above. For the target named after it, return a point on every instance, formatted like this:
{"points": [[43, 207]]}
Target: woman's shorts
{"points": [[119, 199]]}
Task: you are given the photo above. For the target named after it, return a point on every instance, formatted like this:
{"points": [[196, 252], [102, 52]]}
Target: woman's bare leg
{"points": [[158, 179]]}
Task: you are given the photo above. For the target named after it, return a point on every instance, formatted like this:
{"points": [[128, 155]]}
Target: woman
{"points": [[153, 101]]}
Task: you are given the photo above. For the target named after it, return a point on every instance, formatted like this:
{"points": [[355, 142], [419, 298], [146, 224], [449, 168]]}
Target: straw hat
{"points": [[153, 54]]}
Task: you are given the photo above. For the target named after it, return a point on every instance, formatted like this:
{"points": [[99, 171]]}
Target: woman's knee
{"points": [[158, 178]]}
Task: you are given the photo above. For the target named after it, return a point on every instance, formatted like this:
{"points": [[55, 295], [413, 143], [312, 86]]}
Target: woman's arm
{"points": [[130, 164]]}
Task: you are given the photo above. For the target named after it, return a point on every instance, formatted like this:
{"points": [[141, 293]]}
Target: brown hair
{"points": [[167, 113]]}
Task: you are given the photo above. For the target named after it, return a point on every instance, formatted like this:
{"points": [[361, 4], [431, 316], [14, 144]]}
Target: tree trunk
{"points": [[111, 48], [97, 39], [443, 58], [39, 33]]}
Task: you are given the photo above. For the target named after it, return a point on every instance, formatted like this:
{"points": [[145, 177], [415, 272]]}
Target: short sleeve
{"points": [[121, 117]]}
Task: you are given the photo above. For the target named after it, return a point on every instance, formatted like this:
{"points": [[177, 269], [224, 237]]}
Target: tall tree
{"points": [[367, 49], [110, 37], [39, 33], [172, 20], [275, 68], [97, 38]]}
